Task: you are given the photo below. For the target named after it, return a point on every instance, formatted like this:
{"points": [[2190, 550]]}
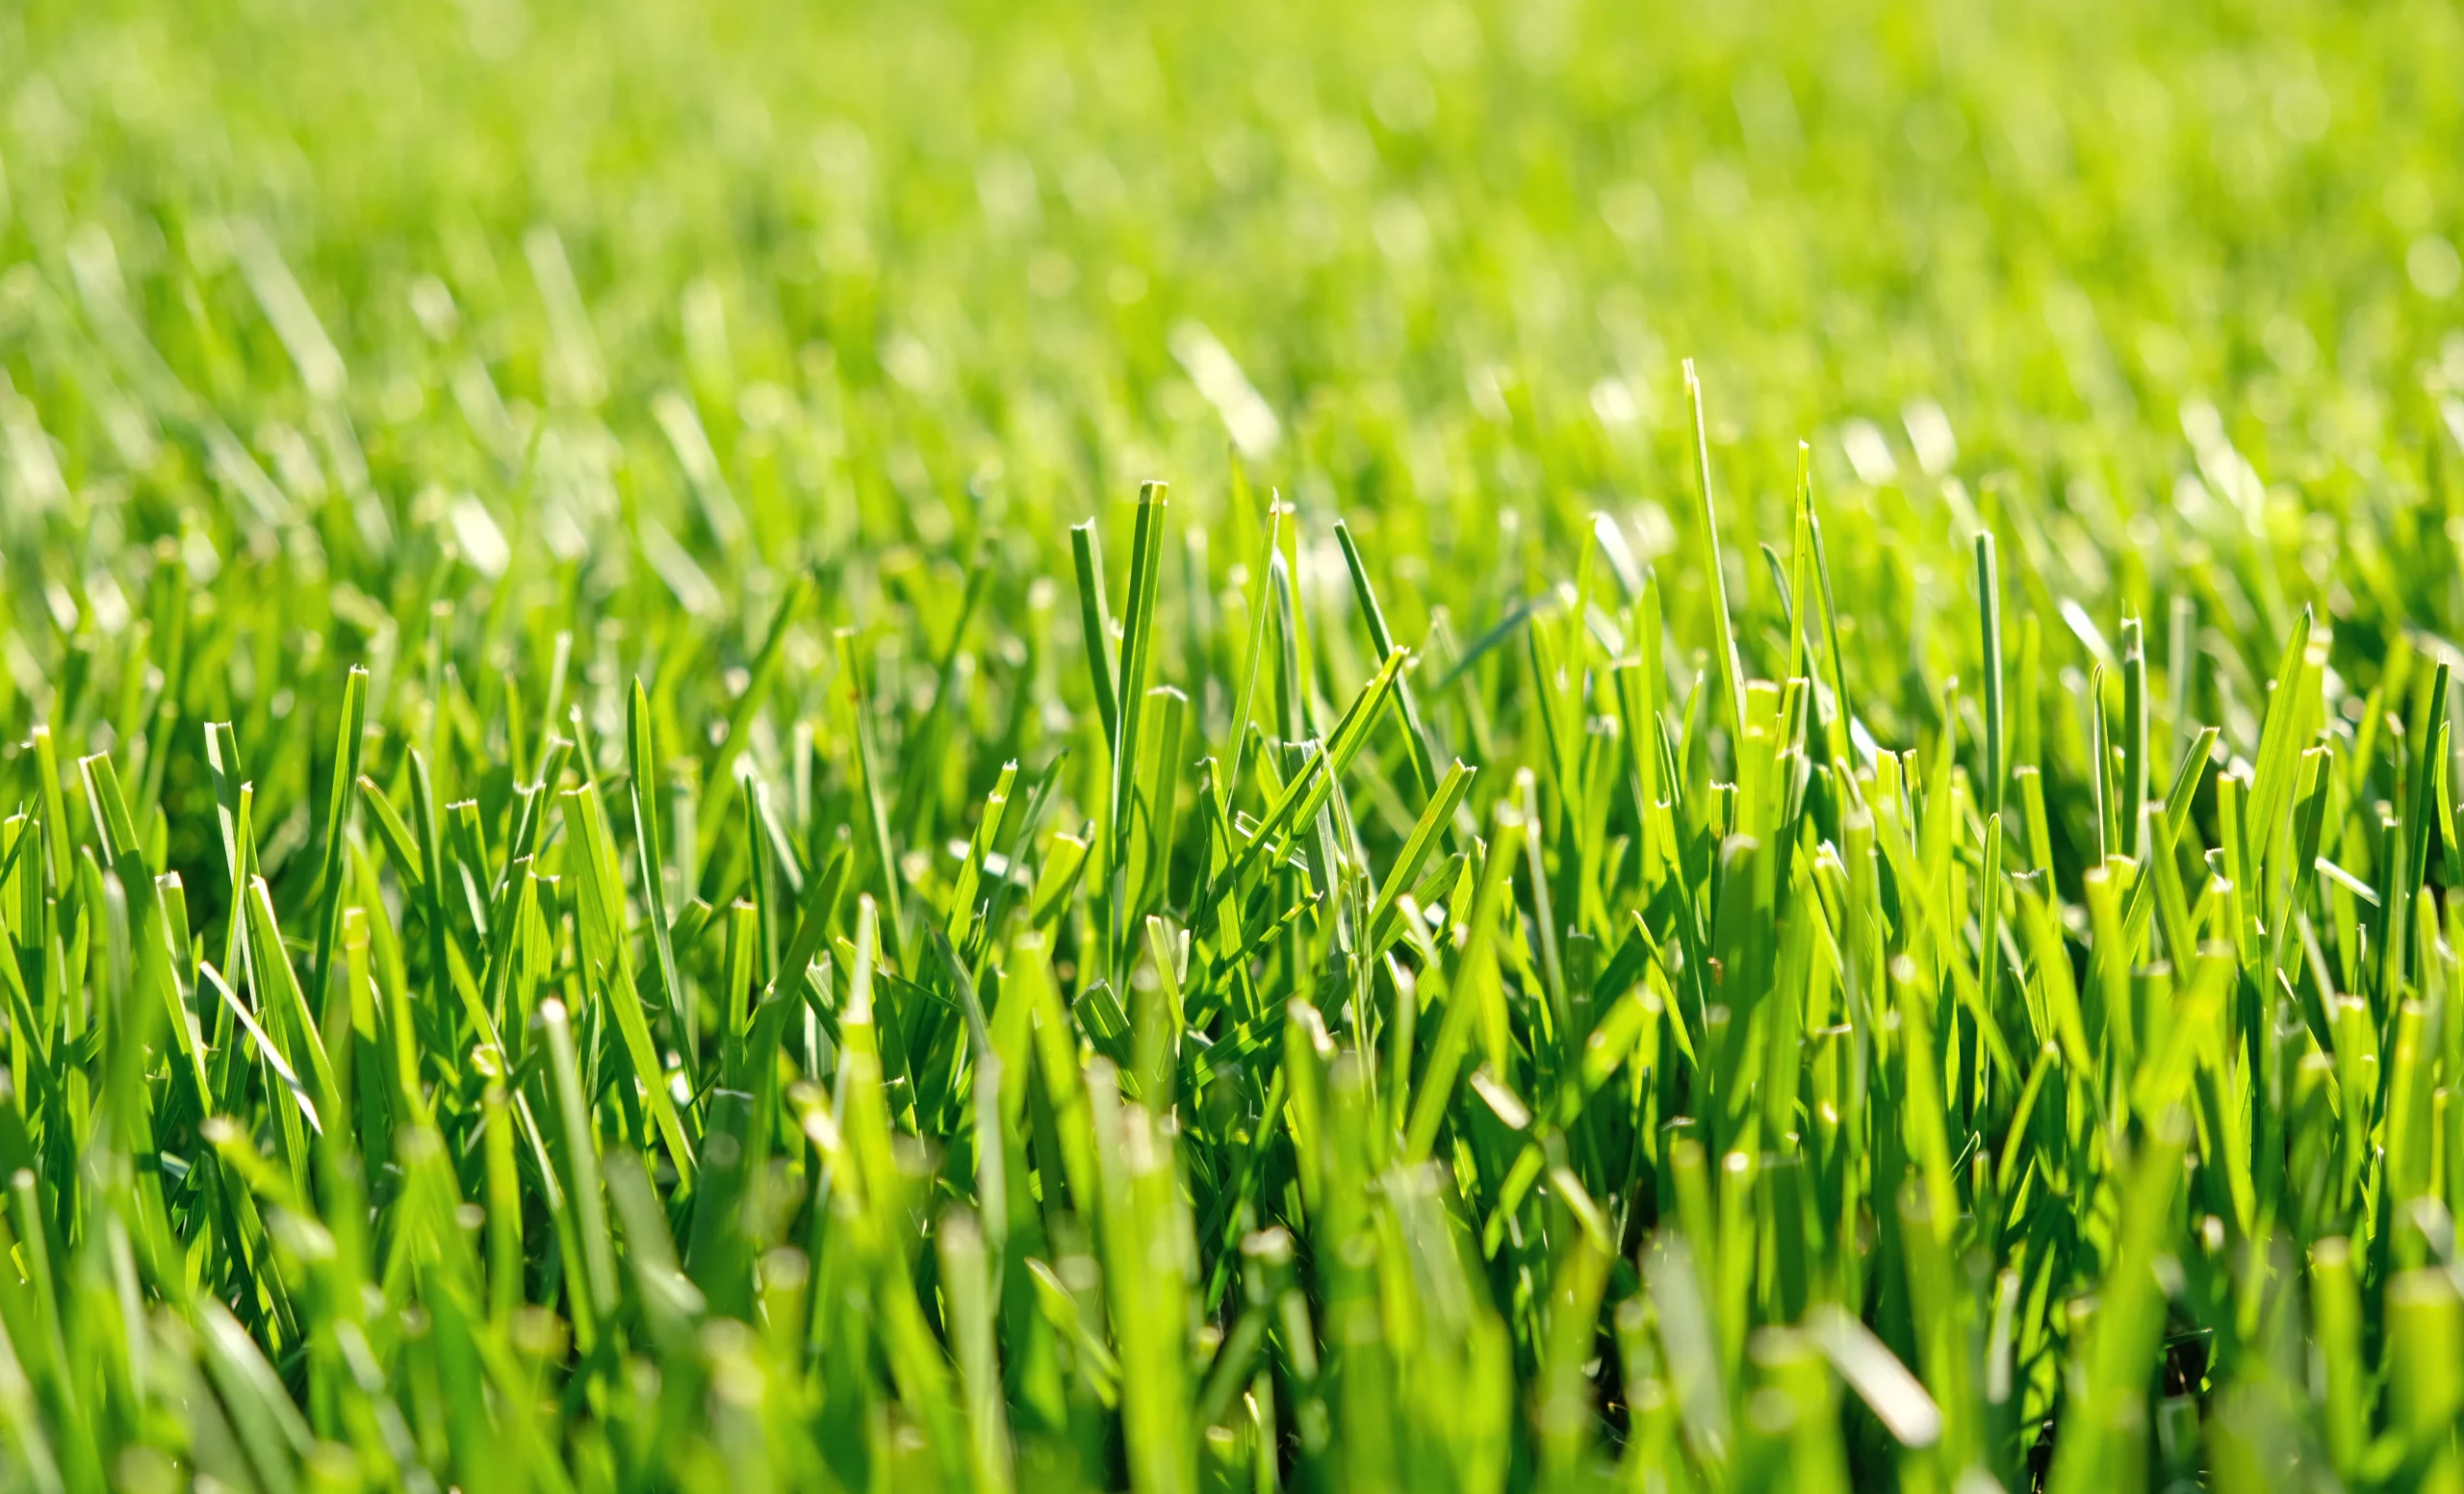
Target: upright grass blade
{"points": [[1096, 626], [603, 949], [867, 759], [651, 863], [1137, 645], [338, 816], [588, 1218], [1723, 630], [1381, 643], [1988, 594], [2132, 806]]}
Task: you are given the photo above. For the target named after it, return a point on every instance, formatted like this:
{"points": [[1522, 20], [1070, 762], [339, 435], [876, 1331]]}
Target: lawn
{"points": [[943, 746]]}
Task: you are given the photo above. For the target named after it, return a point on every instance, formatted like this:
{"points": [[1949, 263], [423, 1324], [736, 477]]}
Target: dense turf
{"points": [[641, 855]]}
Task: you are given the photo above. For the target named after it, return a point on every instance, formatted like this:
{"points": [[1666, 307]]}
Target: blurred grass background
{"points": [[1456, 250]]}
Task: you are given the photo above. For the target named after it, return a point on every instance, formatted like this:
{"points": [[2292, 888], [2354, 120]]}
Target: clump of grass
{"points": [[639, 854]]}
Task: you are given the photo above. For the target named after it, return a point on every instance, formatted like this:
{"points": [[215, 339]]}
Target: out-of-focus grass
{"points": [[603, 893]]}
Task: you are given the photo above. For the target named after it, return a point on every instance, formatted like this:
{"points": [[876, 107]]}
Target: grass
{"points": [[1390, 747]]}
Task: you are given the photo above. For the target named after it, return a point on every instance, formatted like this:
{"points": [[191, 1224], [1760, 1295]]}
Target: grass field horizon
{"points": [[1389, 747]]}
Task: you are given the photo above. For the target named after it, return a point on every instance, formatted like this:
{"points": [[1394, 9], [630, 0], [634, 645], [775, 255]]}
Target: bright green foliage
{"points": [[643, 848]]}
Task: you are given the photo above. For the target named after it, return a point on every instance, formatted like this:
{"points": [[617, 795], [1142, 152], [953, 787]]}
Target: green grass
{"points": [[972, 747]]}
